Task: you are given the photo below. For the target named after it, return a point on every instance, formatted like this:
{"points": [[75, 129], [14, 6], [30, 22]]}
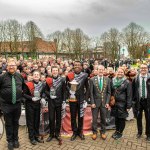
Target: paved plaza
{"points": [[128, 142]]}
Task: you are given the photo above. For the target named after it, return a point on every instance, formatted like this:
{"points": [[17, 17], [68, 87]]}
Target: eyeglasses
{"points": [[11, 65], [143, 68]]}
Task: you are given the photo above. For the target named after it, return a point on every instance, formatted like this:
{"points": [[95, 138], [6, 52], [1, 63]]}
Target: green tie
{"points": [[13, 90], [143, 88], [100, 84]]}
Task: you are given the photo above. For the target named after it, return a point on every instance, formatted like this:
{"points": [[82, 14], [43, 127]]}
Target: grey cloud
{"points": [[92, 16]]}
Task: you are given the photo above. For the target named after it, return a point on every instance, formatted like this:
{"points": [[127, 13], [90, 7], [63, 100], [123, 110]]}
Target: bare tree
{"points": [[32, 32], [56, 37], [134, 37], [111, 40], [67, 36], [79, 42]]}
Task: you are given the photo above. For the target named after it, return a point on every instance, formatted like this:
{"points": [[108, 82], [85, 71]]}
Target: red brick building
{"points": [[40, 46]]}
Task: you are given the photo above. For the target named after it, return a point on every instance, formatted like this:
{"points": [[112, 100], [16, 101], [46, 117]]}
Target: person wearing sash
{"points": [[122, 92], [11, 85], [33, 93], [100, 92], [141, 100], [55, 92], [81, 95]]}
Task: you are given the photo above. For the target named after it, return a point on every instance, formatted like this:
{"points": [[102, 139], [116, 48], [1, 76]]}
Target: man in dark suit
{"points": [[55, 91], [11, 86], [100, 92], [81, 94], [141, 100]]}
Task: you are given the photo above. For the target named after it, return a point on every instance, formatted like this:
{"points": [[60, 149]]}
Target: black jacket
{"points": [[136, 94], [60, 92], [123, 99], [28, 96], [6, 88], [82, 92], [100, 97]]}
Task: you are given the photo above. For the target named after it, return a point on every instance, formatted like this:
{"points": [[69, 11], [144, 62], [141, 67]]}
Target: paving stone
{"points": [[128, 142]]}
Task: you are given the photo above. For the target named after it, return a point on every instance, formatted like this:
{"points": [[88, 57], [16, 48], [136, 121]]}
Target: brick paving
{"points": [[128, 142]]}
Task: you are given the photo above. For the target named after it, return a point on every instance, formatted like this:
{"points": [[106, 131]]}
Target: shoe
{"points": [[58, 138], [114, 134], [118, 136], [38, 140], [94, 136], [73, 137], [138, 136], [49, 138], [82, 137], [10, 146], [103, 136], [16, 144], [33, 142], [148, 138]]}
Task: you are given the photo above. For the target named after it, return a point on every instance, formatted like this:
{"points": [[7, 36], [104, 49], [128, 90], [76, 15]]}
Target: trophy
{"points": [[73, 89], [53, 93]]}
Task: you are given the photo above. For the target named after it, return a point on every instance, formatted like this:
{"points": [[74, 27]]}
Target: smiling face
{"points": [[143, 69], [55, 72], [120, 73], [101, 70], [11, 67], [36, 76], [77, 67]]}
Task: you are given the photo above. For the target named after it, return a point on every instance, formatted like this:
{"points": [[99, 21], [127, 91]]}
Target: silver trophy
{"points": [[73, 90], [53, 93], [36, 94]]}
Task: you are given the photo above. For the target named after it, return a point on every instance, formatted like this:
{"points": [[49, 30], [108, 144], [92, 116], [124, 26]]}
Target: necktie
{"points": [[143, 88], [13, 90], [100, 84]]}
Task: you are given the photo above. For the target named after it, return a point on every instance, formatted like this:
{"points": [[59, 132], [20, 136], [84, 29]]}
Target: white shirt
{"points": [[141, 78]]}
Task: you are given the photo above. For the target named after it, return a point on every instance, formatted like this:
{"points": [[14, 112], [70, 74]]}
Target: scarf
{"points": [[117, 82]]}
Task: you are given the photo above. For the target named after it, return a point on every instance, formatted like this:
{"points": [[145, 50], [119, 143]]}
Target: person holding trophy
{"points": [[33, 93], [78, 88], [55, 92]]}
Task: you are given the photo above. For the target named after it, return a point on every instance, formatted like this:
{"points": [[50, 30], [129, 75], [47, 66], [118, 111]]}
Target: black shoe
{"points": [[114, 134], [49, 138], [10, 146], [58, 138], [81, 136], [33, 142], [138, 136], [38, 140], [16, 144], [148, 138], [73, 137], [118, 136]]}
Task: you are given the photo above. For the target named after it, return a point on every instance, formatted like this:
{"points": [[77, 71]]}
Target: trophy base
{"points": [[72, 100]]}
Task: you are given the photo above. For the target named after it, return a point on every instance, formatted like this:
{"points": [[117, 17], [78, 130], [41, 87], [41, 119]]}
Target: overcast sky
{"points": [[92, 16]]}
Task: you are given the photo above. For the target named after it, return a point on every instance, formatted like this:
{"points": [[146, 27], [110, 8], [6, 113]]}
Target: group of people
{"points": [[32, 82]]}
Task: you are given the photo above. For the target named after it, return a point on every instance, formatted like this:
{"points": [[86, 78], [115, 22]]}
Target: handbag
{"points": [[112, 101]]}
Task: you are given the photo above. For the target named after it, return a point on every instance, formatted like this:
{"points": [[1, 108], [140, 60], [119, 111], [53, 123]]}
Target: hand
{"points": [[84, 104], [63, 105], [35, 99], [128, 110], [107, 106], [43, 101], [93, 106], [71, 92]]}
